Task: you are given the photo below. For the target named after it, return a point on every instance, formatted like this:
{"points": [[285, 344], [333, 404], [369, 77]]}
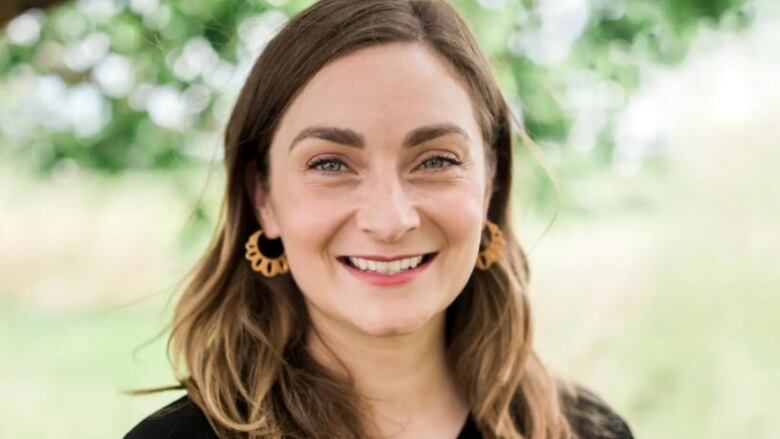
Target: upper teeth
{"points": [[388, 267]]}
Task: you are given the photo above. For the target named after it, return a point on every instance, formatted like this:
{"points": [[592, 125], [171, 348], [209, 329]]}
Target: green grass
{"points": [[63, 375]]}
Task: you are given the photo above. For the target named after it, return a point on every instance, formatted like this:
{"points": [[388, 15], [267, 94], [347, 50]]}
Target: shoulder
{"points": [[179, 419], [590, 417]]}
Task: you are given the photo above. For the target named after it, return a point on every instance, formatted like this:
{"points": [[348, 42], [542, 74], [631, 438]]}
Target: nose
{"points": [[387, 212]]}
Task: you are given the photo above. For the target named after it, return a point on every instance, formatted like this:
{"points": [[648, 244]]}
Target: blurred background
{"points": [[655, 265]]}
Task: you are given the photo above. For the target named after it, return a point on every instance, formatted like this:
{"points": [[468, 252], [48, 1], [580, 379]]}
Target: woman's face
{"points": [[377, 163]]}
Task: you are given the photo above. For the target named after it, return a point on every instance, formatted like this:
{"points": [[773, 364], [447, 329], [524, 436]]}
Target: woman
{"points": [[365, 280]]}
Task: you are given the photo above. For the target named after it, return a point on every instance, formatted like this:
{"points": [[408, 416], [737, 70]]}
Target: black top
{"points": [[588, 415], [183, 419]]}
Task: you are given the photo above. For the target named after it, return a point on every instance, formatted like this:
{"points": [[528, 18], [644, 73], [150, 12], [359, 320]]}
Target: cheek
{"points": [[460, 201], [458, 216], [308, 220]]}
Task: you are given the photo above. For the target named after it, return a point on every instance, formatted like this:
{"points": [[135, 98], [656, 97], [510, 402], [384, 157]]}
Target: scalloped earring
{"points": [[492, 253], [267, 266]]}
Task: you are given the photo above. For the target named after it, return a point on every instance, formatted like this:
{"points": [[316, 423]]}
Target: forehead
{"points": [[387, 89]]}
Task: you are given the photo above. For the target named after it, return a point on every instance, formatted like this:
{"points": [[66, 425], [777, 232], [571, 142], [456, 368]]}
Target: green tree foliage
{"points": [[114, 85]]}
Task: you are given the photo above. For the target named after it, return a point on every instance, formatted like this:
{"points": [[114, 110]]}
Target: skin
{"points": [[382, 199]]}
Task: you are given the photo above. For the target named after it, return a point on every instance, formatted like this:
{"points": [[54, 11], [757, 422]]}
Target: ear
{"points": [[262, 206]]}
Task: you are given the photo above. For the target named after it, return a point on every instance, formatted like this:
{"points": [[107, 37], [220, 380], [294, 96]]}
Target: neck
{"points": [[405, 378]]}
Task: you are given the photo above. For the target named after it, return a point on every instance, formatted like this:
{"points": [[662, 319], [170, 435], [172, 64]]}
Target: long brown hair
{"points": [[238, 339]]}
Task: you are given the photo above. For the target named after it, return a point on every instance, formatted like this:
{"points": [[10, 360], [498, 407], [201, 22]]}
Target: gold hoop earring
{"points": [[492, 253], [268, 267]]}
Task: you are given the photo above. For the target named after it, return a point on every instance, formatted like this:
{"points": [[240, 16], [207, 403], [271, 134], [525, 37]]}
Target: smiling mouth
{"points": [[387, 267]]}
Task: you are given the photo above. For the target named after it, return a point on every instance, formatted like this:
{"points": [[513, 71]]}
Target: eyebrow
{"points": [[345, 136]]}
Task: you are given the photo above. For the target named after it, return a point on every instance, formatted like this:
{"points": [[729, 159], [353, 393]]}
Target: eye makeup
{"points": [[334, 165], [444, 161], [326, 164]]}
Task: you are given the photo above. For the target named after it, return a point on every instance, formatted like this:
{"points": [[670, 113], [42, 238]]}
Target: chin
{"points": [[386, 330], [390, 325]]}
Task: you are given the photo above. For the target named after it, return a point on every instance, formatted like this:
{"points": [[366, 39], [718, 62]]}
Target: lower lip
{"points": [[388, 279]]}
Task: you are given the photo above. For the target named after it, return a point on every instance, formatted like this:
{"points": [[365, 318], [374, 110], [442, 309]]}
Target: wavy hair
{"points": [[238, 340]]}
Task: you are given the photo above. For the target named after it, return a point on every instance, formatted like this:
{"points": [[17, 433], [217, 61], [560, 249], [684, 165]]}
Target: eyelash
{"points": [[447, 158]]}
